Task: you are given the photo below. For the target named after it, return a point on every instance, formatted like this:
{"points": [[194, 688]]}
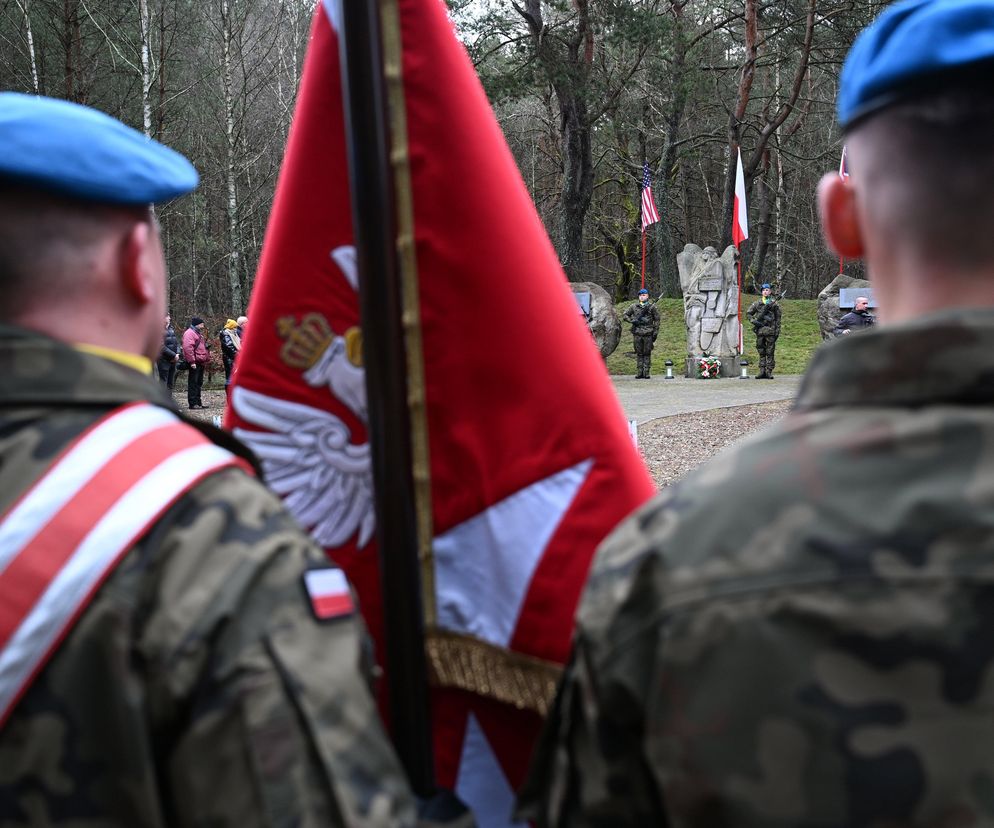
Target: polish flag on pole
{"points": [[740, 228], [523, 487], [844, 175], [740, 223]]}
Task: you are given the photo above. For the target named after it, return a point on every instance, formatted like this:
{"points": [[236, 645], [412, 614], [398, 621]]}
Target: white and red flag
{"points": [[740, 218], [529, 457], [740, 228]]}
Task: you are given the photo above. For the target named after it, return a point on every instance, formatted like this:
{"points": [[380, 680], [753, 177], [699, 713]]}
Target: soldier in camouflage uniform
{"points": [[801, 632], [198, 686], [764, 314], [644, 317]]}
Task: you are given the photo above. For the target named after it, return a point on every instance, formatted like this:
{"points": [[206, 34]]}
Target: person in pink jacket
{"points": [[195, 352]]}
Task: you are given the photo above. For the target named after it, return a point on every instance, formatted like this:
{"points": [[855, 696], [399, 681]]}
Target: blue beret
{"points": [[643, 291], [77, 151], [765, 286], [910, 43]]}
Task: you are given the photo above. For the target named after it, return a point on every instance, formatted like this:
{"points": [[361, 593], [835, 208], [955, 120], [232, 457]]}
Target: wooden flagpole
{"points": [[643, 259], [374, 220]]}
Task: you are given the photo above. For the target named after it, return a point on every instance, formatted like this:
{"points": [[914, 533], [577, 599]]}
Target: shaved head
{"points": [[51, 247], [924, 169], [81, 272]]}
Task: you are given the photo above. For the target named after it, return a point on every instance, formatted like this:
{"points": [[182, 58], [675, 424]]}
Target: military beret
{"points": [[643, 291], [911, 43], [77, 151], [765, 286]]}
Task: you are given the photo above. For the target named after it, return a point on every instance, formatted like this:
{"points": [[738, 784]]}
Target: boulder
{"points": [[829, 312], [604, 322]]}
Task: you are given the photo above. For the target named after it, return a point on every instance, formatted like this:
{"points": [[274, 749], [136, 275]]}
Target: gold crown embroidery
{"points": [[304, 342]]}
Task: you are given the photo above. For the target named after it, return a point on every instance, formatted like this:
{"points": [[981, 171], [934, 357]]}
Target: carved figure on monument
{"points": [[710, 300]]}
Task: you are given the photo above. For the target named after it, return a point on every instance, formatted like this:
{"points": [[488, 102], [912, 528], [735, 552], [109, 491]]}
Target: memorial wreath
{"points": [[708, 367]]}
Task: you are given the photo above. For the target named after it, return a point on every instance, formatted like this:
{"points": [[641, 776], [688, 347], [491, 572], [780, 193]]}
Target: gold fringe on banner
{"points": [[466, 663]]}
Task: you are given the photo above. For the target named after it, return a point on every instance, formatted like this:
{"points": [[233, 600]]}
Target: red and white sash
{"points": [[64, 536]]}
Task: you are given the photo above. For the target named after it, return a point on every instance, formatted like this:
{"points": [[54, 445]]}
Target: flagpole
{"points": [[741, 335], [375, 230], [643, 260], [844, 175]]}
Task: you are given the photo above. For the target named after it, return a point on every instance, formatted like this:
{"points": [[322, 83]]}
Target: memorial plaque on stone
{"points": [[848, 296], [583, 300]]}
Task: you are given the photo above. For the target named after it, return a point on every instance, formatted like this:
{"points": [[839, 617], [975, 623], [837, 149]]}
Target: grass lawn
{"points": [[799, 336]]}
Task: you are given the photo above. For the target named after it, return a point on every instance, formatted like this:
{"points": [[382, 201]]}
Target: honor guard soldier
{"points": [[801, 633], [764, 314], [644, 317], [174, 650]]}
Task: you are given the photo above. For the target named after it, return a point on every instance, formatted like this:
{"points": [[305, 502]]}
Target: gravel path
{"points": [[672, 446]]}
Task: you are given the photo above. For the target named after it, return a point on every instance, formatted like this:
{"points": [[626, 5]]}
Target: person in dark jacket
{"points": [[859, 317], [231, 343], [169, 355]]}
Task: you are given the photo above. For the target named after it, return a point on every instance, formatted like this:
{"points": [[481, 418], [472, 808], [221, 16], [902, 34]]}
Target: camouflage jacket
{"points": [[197, 688], [644, 319], [801, 632], [765, 317]]}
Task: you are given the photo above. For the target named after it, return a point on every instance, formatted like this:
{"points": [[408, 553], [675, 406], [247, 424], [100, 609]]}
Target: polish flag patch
{"points": [[329, 593]]}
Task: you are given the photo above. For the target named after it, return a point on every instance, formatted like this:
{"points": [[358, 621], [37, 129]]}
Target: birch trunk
{"points": [[234, 279], [25, 8], [144, 28]]}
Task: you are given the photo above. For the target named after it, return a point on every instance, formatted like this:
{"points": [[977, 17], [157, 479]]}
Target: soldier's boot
{"points": [[762, 368]]}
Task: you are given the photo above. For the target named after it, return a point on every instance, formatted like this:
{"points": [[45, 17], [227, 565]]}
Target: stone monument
{"points": [[829, 312], [603, 321], [710, 306]]}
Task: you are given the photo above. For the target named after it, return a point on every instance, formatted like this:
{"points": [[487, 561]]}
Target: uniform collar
{"points": [[946, 356], [143, 365], [38, 370]]}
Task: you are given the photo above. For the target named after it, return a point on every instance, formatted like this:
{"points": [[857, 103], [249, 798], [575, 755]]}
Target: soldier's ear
{"points": [[140, 258], [839, 218]]}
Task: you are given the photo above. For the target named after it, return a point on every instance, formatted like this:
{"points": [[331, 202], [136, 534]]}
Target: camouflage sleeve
{"points": [[589, 770], [265, 712], [629, 313], [593, 767]]}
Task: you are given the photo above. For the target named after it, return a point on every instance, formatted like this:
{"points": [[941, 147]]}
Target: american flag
{"points": [[844, 166], [649, 214]]}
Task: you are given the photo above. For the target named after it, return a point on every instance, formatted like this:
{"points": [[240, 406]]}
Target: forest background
{"points": [[586, 91]]}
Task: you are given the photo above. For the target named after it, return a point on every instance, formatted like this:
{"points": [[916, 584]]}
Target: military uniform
{"points": [[197, 687], [765, 318], [645, 329], [821, 653]]}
